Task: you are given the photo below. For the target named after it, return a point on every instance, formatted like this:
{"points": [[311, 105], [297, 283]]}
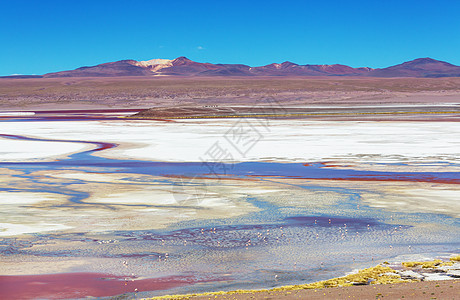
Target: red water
{"points": [[79, 285]]}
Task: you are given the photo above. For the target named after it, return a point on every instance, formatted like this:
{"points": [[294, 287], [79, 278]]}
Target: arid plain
{"points": [[142, 92]]}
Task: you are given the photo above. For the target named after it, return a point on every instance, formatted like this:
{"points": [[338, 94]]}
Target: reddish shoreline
{"points": [[80, 285]]}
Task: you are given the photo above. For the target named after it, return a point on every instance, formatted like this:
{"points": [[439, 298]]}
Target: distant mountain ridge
{"points": [[182, 66], [421, 67]]}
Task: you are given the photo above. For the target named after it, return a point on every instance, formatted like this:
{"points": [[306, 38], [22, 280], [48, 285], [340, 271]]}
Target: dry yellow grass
{"points": [[431, 264], [380, 274], [424, 264], [375, 275], [455, 258]]}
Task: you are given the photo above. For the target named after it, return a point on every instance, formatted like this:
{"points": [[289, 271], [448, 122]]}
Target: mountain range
{"points": [[182, 66]]}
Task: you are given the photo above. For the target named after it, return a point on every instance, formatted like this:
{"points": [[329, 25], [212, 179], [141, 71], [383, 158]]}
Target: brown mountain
{"points": [[421, 67], [118, 68], [182, 66]]}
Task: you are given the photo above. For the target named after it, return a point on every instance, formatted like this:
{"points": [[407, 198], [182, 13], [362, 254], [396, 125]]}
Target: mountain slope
{"points": [[421, 67], [118, 68], [183, 66]]}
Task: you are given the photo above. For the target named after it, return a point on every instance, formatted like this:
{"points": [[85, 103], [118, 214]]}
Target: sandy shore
{"points": [[269, 110], [413, 290]]}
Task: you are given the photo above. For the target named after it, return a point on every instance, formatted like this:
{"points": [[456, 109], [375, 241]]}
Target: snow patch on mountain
{"points": [[155, 64]]}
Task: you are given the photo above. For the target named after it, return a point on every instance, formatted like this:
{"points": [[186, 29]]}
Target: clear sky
{"points": [[42, 36]]}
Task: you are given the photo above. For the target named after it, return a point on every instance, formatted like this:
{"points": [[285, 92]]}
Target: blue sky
{"points": [[37, 37]]}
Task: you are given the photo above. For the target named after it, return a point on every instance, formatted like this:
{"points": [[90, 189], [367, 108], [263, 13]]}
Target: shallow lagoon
{"points": [[299, 201]]}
